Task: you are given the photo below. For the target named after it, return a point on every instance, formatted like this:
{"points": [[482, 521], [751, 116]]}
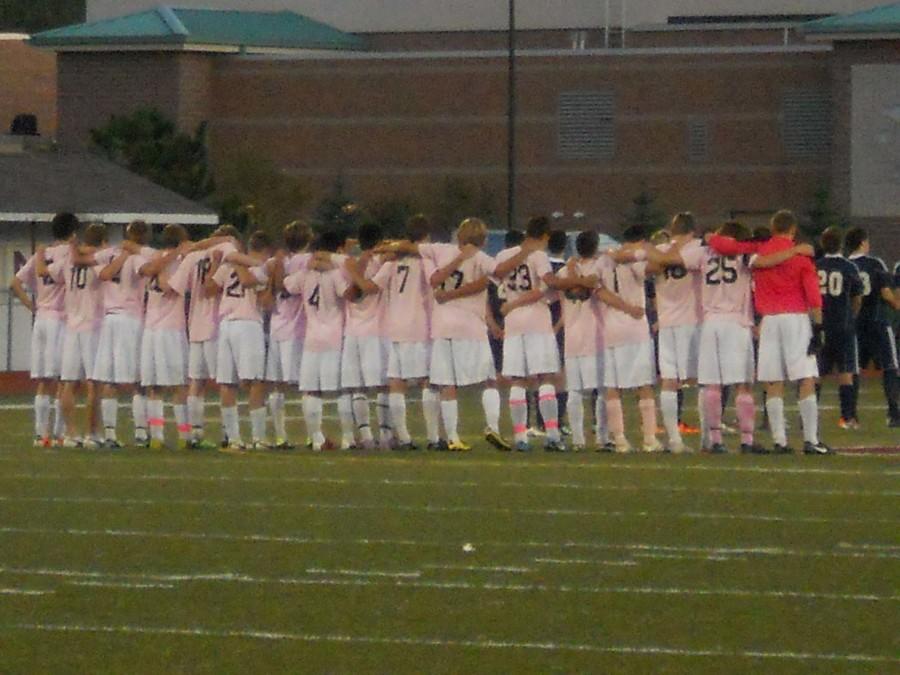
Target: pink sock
{"points": [[746, 412], [647, 407], [614, 419], [712, 400]]}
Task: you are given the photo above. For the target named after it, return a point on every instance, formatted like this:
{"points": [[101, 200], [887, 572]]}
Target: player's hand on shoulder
{"points": [[806, 250]]}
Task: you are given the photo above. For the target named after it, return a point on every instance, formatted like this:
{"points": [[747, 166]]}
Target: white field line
{"points": [[578, 561], [408, 508], [316, 480], [235, 577], [566, 545], [365, 573], [480, 568], [626, 650], [23, 591], [119, 584], [871, 547], [681, 556]]}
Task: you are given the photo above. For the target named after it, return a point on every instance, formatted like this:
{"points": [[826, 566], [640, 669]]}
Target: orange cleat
{"points": [[687, 430]]}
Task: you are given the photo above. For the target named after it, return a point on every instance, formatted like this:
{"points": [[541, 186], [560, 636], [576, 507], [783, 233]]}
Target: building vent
{"points": [[806, 123], [698, 140], [586, 125]]}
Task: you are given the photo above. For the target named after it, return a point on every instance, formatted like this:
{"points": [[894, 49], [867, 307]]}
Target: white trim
{"points": [[118, 218], [14, 36], [850, 37], [688, 27], [149, 47]]}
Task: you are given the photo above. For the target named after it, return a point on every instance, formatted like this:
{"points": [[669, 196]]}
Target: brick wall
{"points": [[27, 85]]}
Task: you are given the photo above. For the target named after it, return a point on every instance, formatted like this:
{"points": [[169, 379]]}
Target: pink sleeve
{"points": [[104, 257], [57, 269], [341, 282], [383, 277], [179, 281], [486, 263], [222, 274], [693, 256], [26, 274], [261, 274], [542, 266], [148, 252], [293, 283]]}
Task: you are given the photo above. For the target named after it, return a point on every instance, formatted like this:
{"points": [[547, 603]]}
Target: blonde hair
{"points": [[471, 231]]}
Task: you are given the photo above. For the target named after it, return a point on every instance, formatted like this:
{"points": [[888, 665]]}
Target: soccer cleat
{"points": [[655, 446], [609, 446], [141, 442], [182, 444], [440, 446], [157, 444], [69, 442], [578, 448], [260, 446], [816, 449], [565, 430], [283, 444], [38, 442], [325, 446], [497, 440], [535, 432], [753, 449], [893, 423], [782, 450], [409, 446], [112, 444], [523, 446], [554, 446], [459, 446], [845, 424], [622, 446], [678, 448], [718, 449], [233, 448], [687, 429], [202, 444], [91, 444]]}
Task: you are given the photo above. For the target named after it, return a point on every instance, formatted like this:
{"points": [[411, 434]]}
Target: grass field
{"points": [[142, 562]]}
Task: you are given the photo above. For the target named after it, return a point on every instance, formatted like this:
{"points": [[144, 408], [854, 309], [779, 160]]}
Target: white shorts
{"points": [[242, 352], [629, 366], [530, 354], [408, 360], [119, 350], [461, 363], [726, 353], [320, 371], [163, 358], [283, 361], [202, 360], [46, 348], [78, 355], [783, 344], [364, 362], [679, 347], [584, 373]]}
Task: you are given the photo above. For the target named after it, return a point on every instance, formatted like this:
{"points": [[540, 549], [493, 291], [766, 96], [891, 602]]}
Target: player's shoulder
{"points": [[508, 253]]}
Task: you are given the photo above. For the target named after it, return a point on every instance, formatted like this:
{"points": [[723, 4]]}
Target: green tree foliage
{"points": [[338, 210], [33, 16], [147, 143], [645, 212], [457, 199], [821, 214]]}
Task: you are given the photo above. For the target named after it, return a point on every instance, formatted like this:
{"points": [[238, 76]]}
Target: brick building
{"points": [[27, 82], [741, 115]]}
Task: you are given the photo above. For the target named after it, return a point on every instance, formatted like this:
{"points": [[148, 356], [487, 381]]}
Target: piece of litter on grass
{"points": [[468, 548]]}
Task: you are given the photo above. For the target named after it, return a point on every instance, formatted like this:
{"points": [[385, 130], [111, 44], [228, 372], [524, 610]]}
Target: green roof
{"points": [[884, 19], [166, 25]]}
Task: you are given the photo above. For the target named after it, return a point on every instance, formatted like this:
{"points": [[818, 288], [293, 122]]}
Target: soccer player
{"points": [[117, 364], [287, 326], [321, 285], [84, 311], [841, 289], [241, 360], [788, 299], [405, 281], [364, 355], [584, 333], [47, 332], [874, 333], [189, 281], [529, 344]]}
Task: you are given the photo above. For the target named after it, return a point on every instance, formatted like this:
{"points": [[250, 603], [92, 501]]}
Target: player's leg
{"points": [[276, 381], [40, 373], [712, 410], [231, 430], [746, 414], [256, 400], [616, 419], [669, 385], [887, 349], [178, 396], [351, 382], [542, 363]]}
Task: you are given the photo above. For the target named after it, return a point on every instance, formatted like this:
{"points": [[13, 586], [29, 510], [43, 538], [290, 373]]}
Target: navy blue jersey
{"points": [[874, 276], [839, 283]]}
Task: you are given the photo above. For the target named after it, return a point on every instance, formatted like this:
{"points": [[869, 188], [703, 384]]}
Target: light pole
{"points": [[511, 122]]}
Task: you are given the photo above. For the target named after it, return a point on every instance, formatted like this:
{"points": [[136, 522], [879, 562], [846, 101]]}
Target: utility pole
{"points": [[511, 122]]}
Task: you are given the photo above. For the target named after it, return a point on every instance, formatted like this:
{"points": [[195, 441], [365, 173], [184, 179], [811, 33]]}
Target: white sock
{"points": [[809, 415], [139, 413], [345, 414], [490, 401], [450, 414], [361, 417], [576, 417], [180, 411], [549, 408], [109, 412], [775, 409], [59, 422], [518, 413], [231, 428], [600, 423], [431, 410], [701, 412], [42, 407], [397, 403], [668, 403], [383, 416], [156, 419], [312, 413], [258, 424], [196, 415], [276, 409]]}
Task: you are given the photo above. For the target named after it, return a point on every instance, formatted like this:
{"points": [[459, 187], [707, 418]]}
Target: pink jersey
{"points": [[580, 317], [366, 316], [165, 310], [124, 293], [288, 318], [409, 298], [49, 294], [727, 285], [322, 294], [189, 278], [533, 318], [678, 290], [626, 281], [237, 302], [463, 318], [84, 300]]}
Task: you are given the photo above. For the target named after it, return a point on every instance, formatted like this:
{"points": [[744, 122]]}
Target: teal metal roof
{"points": [[884, 19], [166, 25]]}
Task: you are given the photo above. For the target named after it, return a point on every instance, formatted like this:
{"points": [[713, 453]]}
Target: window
{"points": [[586, 127], [698, 140], [806, 125]]}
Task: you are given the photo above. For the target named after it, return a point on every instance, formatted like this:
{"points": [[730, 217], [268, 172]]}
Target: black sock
{"points": [[680, 403], [855, 402], [845, 393], [889, 382]]}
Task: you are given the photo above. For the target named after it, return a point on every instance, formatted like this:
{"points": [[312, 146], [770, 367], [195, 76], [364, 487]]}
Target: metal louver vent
{"points": [[698, 140], [586, 125], [806, 127]]}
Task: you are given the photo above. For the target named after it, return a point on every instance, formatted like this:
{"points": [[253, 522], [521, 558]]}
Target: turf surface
{"points": [[145, 562]]}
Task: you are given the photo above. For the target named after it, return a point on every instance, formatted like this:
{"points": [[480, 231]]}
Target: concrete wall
{"points": [[27, 84]]}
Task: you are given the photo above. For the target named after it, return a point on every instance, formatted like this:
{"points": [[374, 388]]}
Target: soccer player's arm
{"points": [[729, 246], [251, 277], [527, 298], [856, 291], [658, 260], [158, 263], [443, 273], [208, 243], [890, 296], [495, 328], [809, 278], [356, 268], [112, 269], [18, 289], [216, 277], [504, 268], [609, 298], [779, 257], [470, 288], [238, 258]]}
